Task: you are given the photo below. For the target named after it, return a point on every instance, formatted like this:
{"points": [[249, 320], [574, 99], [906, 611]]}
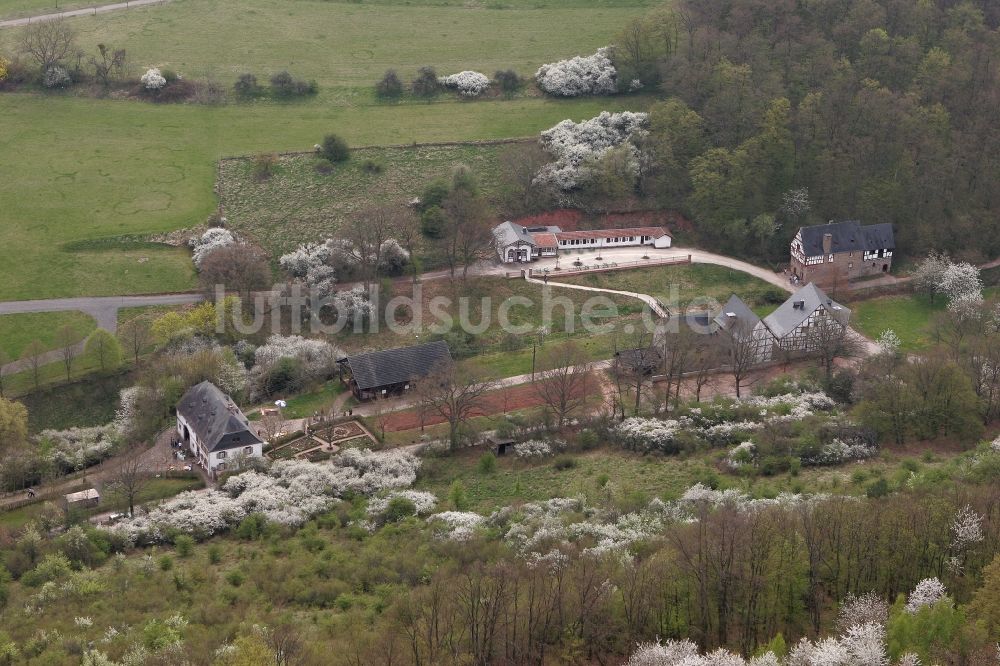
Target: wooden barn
{"points": [[381, 374]]}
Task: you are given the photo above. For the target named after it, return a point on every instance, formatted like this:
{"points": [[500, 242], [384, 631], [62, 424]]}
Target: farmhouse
{"points": [[84, 499], [834, 253], [739, 322], [798, 323], [389, 372], [518, 244], [215, 430]]}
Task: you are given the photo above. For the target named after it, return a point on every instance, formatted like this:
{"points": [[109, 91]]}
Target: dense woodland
{"points": [[883, 110]]}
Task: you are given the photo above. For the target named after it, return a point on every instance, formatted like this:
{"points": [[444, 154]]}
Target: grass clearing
{"points": [[910, 316], [688, 285], [297, 203], [101, 168], [347, 46], [17, 331]]}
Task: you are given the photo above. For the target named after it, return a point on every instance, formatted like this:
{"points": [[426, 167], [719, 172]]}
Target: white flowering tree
{"points": [[316, 358], [962, 284], [582, 75], [467, 83], [928, 592], [153, 79], [578, 147], [209, 242]]}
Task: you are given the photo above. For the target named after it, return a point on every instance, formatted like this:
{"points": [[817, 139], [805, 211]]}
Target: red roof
{"points": [[544, 239], [654, 232]]}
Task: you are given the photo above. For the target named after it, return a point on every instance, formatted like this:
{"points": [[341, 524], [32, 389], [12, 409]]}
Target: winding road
{"points": [[83, 11]]}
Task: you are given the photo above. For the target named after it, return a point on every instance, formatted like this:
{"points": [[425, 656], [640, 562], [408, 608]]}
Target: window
{"points": [[831, 259], [222, 454], [850, 264]]}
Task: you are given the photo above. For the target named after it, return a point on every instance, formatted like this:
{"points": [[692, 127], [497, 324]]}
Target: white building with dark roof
{"points": [[519, 244], [214, 429], [838, 252], [794, 322]]}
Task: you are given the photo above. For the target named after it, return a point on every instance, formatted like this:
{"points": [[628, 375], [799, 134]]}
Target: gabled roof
{"points": [[544, 239], [655, 232], [847, 236], [736, 313], [396, 366], [215, 419], [508, 233], [790, 314]]}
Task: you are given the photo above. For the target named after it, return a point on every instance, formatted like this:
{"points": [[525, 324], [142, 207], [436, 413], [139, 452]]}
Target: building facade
{"points": [[800, 324], [518, 244], [836, 253], [214, 429]]}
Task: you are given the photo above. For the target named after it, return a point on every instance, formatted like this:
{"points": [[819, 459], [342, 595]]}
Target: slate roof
{"points": [[644, 359], [215, 419], [396, 366], [788, 317], [654, 232], [743, 315], [848, 236], [508, 233]]}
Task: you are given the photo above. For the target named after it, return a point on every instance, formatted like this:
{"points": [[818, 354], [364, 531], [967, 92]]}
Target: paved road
{"points": [[85, 11], [104, 309]]}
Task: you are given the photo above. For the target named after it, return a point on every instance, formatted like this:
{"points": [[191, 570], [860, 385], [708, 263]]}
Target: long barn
{"points": [[389, 372]]}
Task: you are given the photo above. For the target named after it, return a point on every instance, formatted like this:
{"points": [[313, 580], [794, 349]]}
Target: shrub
{"points": [[487, 464], [323, 166], [184, 545], [235, 577], [4, 65], [879, 488], [508, 81], [398, 509], [426, 84], [246, 86], [432, 222], [582, 75], [153, 80], [578, 146], [334, 149], [372, 167], [467, 83], [564, 463], [252, 527], [214, 554], [56, 77], [166, 563], [263, 166], [457, 496], [284, 85], [389, 86]]}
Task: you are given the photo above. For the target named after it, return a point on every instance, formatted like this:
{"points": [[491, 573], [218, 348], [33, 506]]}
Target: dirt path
{"points": [[84, 11]]}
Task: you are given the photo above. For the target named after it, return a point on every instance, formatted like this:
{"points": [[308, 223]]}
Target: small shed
{"points": [[391, 372], [85, 499]]}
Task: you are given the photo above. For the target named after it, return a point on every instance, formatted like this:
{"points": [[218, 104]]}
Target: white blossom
{"points": [[209, 242], [578, 146], [888, 341], [582, 75], [153, 79], [966, 529], [318, 357], [532, 448], [867, 608], [455, 525], [928, 592], [467, 83], [424, 502], [961, 283]]}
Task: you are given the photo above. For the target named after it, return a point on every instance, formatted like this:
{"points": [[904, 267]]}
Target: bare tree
{"points": [[408, 234], [285, 641], [48, 42], [271, 424], [32, 354], [135, 335], [742, 349], [109, 64], [239, 268], [454, 393], [469, 231], [827, 339], [567, 381], [635, 366], [368, 231], [678, 350], [65, 340], [520, 163], [129, 480]]}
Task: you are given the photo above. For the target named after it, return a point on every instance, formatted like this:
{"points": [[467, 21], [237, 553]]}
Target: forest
{"points": [[778, 112]]}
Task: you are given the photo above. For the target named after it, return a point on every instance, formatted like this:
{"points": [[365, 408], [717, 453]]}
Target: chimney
{"points": [[827, 243]]}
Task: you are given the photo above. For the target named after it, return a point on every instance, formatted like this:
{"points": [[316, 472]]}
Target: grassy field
{"points": [[910, 316], [101, 168], [612, 473], [346, 46], [17, 331], [297, 203], [689, 285]]}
